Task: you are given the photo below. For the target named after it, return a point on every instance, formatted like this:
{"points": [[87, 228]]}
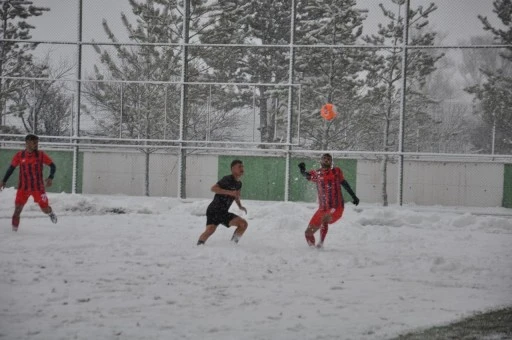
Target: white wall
{"points": [[368, 182], [425, 183], [435, 183], [123, 173], [461, 184], [202, 174], [163, 175]]}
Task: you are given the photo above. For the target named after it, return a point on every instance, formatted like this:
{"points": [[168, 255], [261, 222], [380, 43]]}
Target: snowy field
{"points": [[128, 268]]}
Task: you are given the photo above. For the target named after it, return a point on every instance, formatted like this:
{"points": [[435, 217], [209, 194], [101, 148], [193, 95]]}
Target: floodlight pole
{"points": [[290, 103], [182, 168], [76, 135], [2, 56], [405, 43]]}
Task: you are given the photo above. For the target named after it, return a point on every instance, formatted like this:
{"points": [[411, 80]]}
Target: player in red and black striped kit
{"points": [[329, 181], [30, 183]]}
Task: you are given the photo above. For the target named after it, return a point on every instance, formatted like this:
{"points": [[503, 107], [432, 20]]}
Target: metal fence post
{"points": [[182, 172], [78, 101], [402, 106], [290, 104]]}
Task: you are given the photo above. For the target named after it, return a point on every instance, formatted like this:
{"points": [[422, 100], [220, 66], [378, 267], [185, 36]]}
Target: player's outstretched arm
{"points": [[53, 168], [8, 174], [49, 180], [302, 168], [240, 206], [347, 187]]}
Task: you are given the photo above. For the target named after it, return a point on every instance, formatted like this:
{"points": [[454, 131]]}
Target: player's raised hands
{"points": [[235, 194], [355, 200]]}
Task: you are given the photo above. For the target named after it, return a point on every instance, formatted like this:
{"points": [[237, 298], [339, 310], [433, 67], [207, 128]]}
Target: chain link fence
{"points": [[150, 100]]}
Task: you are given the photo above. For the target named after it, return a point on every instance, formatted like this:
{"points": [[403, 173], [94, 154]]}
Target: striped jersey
{"points": [[328, 184], [31, 169]]}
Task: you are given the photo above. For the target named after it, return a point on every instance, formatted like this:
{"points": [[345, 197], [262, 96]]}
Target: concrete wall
{"points": [[368, 182], [435, 183], [123, 173], [201, 175], [425, 183]]}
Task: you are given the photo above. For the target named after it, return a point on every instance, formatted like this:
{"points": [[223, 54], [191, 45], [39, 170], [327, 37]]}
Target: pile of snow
{"points": [[129, 268]]}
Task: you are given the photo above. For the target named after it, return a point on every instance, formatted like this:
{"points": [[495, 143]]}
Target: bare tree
{"points": [[385, 72], [16, 58], [44, 106]]}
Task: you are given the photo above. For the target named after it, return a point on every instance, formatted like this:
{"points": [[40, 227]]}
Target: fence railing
{"points": [[425, 109]]}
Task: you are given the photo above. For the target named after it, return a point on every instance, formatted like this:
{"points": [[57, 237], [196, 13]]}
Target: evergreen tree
{"points": [[494, 95], [478, 59], [15, 57], [258, 22], [450, 120], [151, 111], [137, 110], [494, 99], [385, 73], [330, 75]]}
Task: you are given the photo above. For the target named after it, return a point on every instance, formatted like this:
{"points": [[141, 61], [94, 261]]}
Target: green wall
{"points": [[507, 186], [264, 177], [301, 189], [63, 176]]}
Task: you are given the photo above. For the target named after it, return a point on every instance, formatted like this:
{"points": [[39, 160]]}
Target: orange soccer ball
{"points": [[327, 112]]}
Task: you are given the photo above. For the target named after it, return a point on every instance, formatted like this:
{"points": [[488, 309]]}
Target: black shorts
{"points": [[216, 217]]}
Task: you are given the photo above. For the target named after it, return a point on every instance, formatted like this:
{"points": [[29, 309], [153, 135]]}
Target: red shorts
{"points": [[39, 197], [319, 215]]}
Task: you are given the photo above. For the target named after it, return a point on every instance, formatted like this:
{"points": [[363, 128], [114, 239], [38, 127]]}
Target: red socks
{"points": [[323, 232], [310, 238]]}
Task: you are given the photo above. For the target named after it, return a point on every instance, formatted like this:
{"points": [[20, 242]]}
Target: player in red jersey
{"points": [[30, 181], [329, 181]]}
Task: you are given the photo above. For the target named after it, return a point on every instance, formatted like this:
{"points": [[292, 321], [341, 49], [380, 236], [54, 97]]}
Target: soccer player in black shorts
{"points": [[226, 191]]}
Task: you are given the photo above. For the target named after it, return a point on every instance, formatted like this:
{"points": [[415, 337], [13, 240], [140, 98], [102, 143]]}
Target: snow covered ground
{"points": [[103, 274]]}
